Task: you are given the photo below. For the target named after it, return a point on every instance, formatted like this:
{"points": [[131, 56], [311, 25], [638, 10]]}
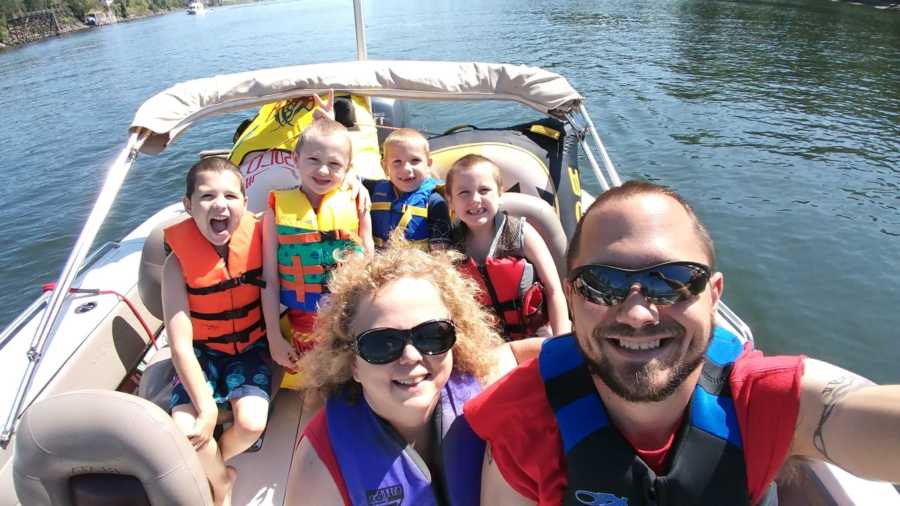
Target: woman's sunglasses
{"points": [[384, 345], [663, 284]]}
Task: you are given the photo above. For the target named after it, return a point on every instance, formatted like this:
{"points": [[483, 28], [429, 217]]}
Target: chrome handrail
{"points": [[42, 338], [41, 302]]}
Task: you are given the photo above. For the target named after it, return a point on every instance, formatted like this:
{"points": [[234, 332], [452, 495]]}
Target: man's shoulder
{"points": [[516, 398], [758, 381], [752, 364]]}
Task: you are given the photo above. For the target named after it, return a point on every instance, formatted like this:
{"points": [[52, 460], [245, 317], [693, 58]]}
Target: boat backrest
{"points": [[153, 256], [543, 218], [97, 447]]}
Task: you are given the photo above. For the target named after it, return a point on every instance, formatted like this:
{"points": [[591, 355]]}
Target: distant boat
{"points": [[197, 8]]}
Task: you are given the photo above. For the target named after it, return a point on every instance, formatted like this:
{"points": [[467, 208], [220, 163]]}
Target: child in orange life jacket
{"points": [[305, 232], [211, 301], [409, 198], [503, 253]]}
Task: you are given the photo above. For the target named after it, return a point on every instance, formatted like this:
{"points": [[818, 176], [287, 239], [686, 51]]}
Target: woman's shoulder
{"points": [[311, 481]]}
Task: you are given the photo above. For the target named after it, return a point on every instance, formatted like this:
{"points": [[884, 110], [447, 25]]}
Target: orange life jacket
{"points": [[224, 300]]}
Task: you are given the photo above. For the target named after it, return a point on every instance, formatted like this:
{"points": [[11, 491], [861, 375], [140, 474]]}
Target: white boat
{"points": [[197, 8], [77, 359]]}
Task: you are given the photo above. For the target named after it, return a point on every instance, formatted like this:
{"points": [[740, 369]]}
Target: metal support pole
{"points": [[610, 169], [42, 338], [597, 172], [361, 51]]}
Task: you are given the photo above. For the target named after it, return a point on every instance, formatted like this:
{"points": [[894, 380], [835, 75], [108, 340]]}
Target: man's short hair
{"points": [[325, 127], [631, 189]]}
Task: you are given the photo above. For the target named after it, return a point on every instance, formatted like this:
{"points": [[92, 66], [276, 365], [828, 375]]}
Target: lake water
{"points": [[779, 121]]}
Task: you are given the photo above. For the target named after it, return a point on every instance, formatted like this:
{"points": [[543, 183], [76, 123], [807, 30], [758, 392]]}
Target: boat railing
{"points": [[41, 302], [42, 338]]}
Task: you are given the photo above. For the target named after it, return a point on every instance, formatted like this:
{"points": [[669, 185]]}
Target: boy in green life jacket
{"points": [[306, 230]]}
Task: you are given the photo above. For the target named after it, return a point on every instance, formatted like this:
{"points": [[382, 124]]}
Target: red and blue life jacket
{"points": [[706, 464]]}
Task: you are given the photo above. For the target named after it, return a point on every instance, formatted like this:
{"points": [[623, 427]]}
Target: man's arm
{"points": [[494, 488], [849, 421]]}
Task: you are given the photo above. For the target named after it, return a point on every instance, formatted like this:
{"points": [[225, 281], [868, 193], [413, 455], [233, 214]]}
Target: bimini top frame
{"points": [[165, 115], [176, 108]]}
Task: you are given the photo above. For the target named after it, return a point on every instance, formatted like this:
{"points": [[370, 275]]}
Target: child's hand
{"points": [[324, 109], [284, 354], [203, 428], [360, 194]]}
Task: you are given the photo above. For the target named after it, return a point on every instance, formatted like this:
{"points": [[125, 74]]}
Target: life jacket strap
{"points": [[408, 213], [298, 285], [231, 314], [241, 336], [252, 277], [314, 237]]}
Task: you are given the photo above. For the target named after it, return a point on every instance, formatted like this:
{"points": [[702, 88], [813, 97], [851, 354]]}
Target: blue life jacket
{"points": [[706, 463], [381, 469], [408, 210]]}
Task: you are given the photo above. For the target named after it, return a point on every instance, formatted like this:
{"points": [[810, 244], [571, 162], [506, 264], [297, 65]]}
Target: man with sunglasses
{"points": [[649, 401]]}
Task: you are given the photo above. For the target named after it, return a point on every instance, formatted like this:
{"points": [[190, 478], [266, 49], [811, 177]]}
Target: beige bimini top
{"points": [[169, 112]]}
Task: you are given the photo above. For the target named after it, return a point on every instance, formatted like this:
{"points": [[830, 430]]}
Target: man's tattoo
{"points": [[833, 393]]}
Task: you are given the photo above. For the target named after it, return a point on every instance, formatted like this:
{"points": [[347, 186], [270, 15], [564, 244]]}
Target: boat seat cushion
{"points": [[153, 256], [544, 219], [157, 380], [97, 432]]}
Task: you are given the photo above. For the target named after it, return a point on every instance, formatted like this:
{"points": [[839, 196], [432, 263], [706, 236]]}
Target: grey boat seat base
{"points": [[64, 439]]}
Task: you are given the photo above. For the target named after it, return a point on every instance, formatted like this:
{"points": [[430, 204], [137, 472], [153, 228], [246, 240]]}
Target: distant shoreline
{"points": [[77, 26]]}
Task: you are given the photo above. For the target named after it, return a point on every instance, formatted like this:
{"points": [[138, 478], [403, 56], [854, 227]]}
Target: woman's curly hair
{"points": [[328, 366]]}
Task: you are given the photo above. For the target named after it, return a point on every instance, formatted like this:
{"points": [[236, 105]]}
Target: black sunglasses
{"points": [[384, 345], [663, 284]]}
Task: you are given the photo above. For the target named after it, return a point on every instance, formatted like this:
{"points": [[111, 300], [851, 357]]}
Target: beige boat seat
{"points": [[543, 218], [103, 448], [153, 256]]}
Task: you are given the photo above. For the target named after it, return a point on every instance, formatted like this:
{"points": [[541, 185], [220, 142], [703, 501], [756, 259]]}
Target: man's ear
{"points": [[569, 292], [187, 203], [716, 286]]}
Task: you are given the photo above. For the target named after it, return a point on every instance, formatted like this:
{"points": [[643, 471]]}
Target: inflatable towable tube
{"points": [[539, 158], [263, 150]]}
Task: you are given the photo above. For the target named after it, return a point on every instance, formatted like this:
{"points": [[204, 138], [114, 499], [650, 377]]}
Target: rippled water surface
{"points": [[780, 121]]}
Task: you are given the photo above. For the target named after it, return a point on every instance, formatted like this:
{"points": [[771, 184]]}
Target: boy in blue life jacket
{"points": [[408, 199]]}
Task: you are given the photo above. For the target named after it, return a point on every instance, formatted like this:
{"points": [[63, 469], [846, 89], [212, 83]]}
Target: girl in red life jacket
{"points": [[504, 253], [211, 301]]}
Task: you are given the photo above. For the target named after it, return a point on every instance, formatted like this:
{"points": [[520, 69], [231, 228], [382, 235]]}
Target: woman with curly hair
{"points": [[402, 344]]}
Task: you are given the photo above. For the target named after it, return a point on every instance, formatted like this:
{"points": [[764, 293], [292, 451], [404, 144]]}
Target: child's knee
{"points": [[184, 418], [251, 414]]}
